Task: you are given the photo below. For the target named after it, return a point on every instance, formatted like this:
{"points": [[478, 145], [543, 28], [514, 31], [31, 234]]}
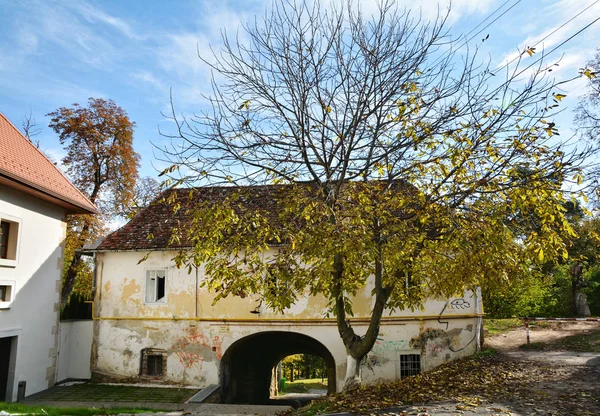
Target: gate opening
{"points": [[249, 365]]}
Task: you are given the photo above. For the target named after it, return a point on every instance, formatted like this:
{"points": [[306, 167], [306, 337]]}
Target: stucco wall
{"points": [[75, 349], [33, 315], [196, 334]]}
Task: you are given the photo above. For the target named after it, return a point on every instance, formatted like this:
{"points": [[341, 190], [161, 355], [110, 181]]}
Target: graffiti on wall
{"points": [[382, 346], [377, 356], [371, 361], [217, 343], [190, 359], [456, 304], [460, 303], [194, 345]]}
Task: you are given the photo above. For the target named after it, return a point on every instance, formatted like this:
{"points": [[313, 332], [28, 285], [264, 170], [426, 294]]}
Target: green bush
{"points": [[592, 290], [537, 295]]}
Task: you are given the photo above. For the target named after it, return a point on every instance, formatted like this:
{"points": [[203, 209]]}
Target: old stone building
{"points": [[154, 323]]}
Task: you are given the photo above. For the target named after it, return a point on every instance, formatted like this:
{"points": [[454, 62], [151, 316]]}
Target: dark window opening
{"points": [[154, 365], [160, 288], [156, 286], [154, 362], [5, 293], [4, 230], [410, 365]]}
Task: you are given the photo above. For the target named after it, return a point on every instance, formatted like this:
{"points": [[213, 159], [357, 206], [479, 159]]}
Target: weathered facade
{"points": [[153, 321], [34, 200]]}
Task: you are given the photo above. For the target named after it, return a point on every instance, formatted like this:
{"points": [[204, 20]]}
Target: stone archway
{"points": [[247, 364]]}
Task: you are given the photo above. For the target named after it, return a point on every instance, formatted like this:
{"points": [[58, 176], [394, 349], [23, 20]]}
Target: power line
{"points": [[561, 44], [451, 51], [545, 55], [548, 35], [487, 18], [489, 24]]}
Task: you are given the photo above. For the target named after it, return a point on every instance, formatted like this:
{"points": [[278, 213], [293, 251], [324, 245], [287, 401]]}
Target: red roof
{"points": [[158, 220], [23, 166], [152, 227]]}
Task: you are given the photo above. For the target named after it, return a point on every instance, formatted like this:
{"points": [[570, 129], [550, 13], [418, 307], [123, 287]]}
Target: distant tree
{"points": [[584, 256], [145, 191], [587, 118], [101, 162], [30, 127], [399, 164]]}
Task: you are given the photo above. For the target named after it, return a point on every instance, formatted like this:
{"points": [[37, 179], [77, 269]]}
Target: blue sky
{"points": [[53, 54]]}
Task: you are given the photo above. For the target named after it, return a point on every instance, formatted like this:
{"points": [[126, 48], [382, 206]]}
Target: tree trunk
{"points": [[358, 347], [353, 380], [582, 308], [71, 275], [579, 303]]}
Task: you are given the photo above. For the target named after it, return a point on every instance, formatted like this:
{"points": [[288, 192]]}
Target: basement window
{"points": [[410, 365], [154, 362], [156, 286]]}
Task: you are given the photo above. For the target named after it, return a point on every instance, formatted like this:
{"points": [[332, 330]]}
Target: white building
{"points": [[152, 321], [35, 198]]}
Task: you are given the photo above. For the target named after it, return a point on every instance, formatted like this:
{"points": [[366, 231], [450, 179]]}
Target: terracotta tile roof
{"points": [[158, 219], [24, 164]]}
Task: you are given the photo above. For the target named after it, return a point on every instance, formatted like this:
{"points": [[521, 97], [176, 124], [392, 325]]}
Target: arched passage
{"points": [[246, 365]]}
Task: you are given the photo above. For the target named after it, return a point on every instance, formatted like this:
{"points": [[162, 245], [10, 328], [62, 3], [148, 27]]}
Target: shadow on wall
{"points": [[31, 322], [246, 366]]}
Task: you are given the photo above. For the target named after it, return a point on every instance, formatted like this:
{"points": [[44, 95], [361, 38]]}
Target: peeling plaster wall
{"points": [[194, 347], [33, 315]]}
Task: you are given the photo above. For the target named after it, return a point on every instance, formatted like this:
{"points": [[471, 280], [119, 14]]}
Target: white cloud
{"points": [[93, 14], [429, 10], [545, 40], [147, 77]]}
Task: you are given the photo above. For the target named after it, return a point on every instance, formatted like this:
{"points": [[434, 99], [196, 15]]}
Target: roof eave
{"points": [[25, 186]]}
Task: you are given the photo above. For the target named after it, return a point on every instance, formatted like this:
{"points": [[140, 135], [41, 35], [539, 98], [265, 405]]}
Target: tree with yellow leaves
{"points": [[396, 166]]}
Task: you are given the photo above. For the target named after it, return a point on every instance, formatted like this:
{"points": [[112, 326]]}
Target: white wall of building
{"points": [[195, 333], [32, 316], [75, 349]]}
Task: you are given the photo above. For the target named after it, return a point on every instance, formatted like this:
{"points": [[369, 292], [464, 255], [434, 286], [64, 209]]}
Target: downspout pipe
{"points": [[196, 297]]}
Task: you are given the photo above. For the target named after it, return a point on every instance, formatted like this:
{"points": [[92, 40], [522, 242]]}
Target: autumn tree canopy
{"points": [[401, 162], [101, 162], [587, 119]]}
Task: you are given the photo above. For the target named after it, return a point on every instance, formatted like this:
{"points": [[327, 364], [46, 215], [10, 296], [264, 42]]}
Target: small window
{"points": [[156, 286], [4, 232], [154, 362], [410, 365], [7, 290], [9, 232], [154, 365]]}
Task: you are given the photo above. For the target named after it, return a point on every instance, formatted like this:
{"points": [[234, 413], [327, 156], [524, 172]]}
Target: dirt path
{"points": [[551, 331], [571, 379]]}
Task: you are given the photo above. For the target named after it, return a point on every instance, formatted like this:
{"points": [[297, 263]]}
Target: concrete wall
{"points": [[75, 349], [32, 316], [195, 333]]}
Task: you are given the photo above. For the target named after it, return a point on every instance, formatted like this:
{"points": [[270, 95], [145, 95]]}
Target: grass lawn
{"points": [[302, 386], [89, 392], [499, 326], [587, 342], [24, 409]]}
